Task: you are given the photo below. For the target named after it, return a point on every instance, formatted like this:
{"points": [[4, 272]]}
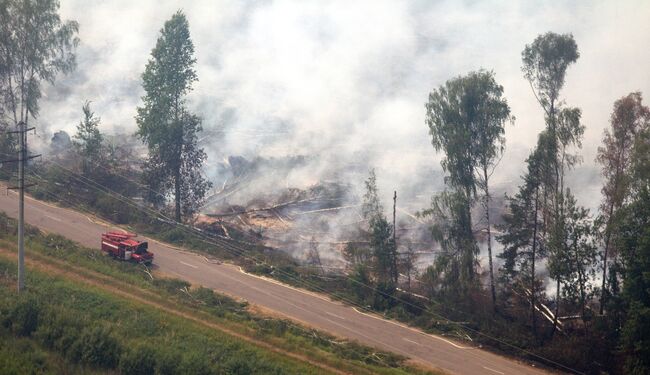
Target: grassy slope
{"points": [[166, 318]]}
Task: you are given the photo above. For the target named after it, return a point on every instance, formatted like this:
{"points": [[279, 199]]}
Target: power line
{"points": [[22, 158], [56, 197], [238, 251]]}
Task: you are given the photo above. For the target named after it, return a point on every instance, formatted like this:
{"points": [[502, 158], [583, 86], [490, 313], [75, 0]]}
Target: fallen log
{"points": [[271, 208], [325, 210]]}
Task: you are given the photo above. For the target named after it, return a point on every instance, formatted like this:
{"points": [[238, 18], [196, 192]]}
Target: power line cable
{"points": [[240, 252], [89, 212]]}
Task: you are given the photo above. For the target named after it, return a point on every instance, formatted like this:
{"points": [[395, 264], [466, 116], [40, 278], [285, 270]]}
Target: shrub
{"points": [[167, 361], [96, 346], [171, 285], [23, 318], [58, 330], [196, 364], [139, 360], [175, 235], [240, 365], [384, 292], [21, 356]]}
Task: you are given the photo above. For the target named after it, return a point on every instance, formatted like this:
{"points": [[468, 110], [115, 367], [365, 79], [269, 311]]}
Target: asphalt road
{"points": [[303, 306]]}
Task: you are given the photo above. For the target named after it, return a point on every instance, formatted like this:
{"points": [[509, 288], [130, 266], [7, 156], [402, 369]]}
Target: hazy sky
{"points": [[348, 80]]}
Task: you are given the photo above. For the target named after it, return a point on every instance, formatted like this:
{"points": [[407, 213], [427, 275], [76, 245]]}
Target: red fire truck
{"points": [[124, 246]]}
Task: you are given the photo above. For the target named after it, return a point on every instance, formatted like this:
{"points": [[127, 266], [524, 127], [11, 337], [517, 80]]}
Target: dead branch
{"points": [[326, 209], [225, 231], [411, 215], [186, 291], [274, 211], [146, 270], [271, 208]]}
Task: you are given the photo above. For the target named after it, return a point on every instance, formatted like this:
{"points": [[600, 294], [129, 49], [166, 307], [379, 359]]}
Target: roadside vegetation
{"points": [[84, 311]]}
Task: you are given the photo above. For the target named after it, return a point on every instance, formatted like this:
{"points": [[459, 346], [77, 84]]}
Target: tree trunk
{"points": [[470, 236], [489, 239], [557, 307], [177, 193], [583, 298], [394, 254], [532, 266], [603, 292]]}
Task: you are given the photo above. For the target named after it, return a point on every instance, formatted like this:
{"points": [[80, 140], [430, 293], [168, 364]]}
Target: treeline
{"points": [[558, 259], [170, 170], [569, 285]]}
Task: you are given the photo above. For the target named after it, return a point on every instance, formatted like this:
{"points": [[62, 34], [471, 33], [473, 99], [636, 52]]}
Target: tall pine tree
{"points": [[88, 140]]}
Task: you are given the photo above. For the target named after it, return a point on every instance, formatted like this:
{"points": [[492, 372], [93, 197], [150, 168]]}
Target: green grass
{"points": [[94, 328], [100, 314]]}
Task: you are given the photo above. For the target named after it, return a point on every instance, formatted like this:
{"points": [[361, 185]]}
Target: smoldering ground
{"points": [[344, 85]]}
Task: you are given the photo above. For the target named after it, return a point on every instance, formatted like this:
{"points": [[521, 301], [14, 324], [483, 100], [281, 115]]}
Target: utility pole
{"points": [[394, 208], [21, 160], [396, 276], [22, 152]]}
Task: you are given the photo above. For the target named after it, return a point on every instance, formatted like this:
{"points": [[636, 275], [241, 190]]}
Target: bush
{"points": [[240, 365], [171, 285], [359, 279], [175, 235], [96, 346], [21, 356], [384, 292], [196, 364], [139, 360], [58, 330], [23, 319], [167, 361]]}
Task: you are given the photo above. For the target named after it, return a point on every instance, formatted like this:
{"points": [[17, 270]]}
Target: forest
{"points": [[563, 286]]}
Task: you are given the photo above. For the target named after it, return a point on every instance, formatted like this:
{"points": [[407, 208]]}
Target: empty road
{"points": [[302, 306]]}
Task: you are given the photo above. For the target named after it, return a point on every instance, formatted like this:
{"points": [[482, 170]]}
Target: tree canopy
{"points": [[166, 125]]}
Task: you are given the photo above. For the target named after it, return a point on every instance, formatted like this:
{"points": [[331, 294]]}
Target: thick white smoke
{"points": [[346, 83]]}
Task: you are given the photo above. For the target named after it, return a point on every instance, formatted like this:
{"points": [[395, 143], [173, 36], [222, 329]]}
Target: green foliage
{"points": [[167, 361], [23, 318], [138, 360], [73, 311], [383, 250], [580, 256], [21, 356], [382, 246], [453, 270], [636, 339], [37, 46], [465, 119], [371, 207], [88, 140], [96, 346], [59, 331], [356, 255], [359, 283], [545, 62], [166, 126], [635, 235], [384, 296]]}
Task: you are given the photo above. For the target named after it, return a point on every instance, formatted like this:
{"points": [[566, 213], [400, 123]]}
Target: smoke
{"points": [[344, 84]]}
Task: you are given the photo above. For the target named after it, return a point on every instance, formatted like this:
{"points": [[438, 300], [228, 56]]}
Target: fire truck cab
{"points": [[124, 246]]}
